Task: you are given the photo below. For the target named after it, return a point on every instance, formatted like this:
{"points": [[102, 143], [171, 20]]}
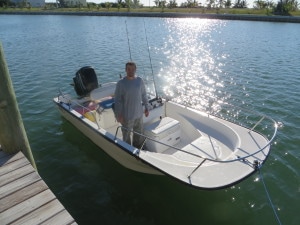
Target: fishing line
{"points": [[128, 40], [269, 198], [130, 49], [150, 60]]}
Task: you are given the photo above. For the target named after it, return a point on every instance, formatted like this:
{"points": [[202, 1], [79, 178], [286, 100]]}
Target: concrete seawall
{"points": [[288, 19]]}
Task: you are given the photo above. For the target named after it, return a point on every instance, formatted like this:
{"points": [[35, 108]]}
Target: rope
{"points": [[269, 198]]}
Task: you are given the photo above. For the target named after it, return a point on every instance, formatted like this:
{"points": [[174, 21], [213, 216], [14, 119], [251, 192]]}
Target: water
{"points": [[251, 64]]}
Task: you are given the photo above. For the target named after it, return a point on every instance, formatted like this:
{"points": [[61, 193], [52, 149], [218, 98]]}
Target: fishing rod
{"points": [[128, 40], [150, 60], [129, 48]]}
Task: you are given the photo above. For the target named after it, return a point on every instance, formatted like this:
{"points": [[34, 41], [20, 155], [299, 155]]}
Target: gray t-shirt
{"points": [[129, 97]]}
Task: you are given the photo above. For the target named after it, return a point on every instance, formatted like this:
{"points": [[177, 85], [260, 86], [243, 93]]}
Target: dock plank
{"points": [[22, 194], [18, 184], [15, 174], [25, 207], [13, 166], [41, 214], [24, 197], [9, 158], [62, 217], [6, 158]]}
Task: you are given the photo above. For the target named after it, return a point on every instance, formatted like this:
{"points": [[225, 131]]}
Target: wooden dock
{"points": [[24, 196]]}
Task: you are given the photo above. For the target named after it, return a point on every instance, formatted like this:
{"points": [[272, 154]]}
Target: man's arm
{"points": [[144, 98], [118, 102]]}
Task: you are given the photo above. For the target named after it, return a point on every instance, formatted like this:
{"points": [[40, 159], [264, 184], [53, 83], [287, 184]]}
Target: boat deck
{"points": [[24, 196]]}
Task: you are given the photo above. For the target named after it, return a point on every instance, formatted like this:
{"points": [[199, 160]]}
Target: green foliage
{"points": [[260, 4], [6, 3], [262, 7], [240, 4], [62, 3], [172, 4], [227, 3], [285, 7]]}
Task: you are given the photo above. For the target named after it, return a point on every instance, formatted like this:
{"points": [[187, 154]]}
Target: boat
{"points": [[203, 149]]}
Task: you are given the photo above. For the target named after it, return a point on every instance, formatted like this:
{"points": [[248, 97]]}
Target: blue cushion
{"points": [[107, 104]]}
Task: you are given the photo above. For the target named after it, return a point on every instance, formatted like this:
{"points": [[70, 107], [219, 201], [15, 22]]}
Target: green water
{"points": [[251, 64]]}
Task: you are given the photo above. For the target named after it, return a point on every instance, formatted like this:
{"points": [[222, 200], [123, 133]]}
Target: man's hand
{"points": [[146, 112], [120, 119]]}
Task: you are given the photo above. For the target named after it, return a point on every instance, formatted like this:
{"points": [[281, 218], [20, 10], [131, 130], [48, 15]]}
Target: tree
{"points": [[260, 4], [107, 5], [221, 3], [62, 3], [136, 3], [240, 4], [284, 7], [227, 3], [172, 4], [163, 4], [210, 4], [4, 3], [128, 4]]}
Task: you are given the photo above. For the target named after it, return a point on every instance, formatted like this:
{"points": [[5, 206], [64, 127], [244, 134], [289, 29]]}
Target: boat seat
{"points": [[107, 103]]}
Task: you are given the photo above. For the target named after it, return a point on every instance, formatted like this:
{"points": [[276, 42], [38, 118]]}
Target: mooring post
{"points": [[13, 136]]}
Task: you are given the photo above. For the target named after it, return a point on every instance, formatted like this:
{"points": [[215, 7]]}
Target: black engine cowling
{"points": [[85, 80]]}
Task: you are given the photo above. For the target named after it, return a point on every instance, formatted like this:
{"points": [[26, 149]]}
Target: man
{"points": [[130, 93]]}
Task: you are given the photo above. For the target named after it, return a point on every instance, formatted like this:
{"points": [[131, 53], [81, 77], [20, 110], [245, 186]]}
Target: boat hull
{"points": [[108, 144], [196, 148]]}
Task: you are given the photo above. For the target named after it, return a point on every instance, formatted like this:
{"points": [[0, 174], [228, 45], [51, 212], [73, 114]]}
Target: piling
{"points": [[24, 196], [13, 137]]}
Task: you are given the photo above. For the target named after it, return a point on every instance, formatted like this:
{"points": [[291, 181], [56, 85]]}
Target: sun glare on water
{"points": [[191, 75]]}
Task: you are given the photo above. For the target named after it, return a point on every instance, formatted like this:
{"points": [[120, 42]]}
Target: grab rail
{"points": [[244, 158], [71, 102], [254, 164], [273, 122], [148, 138]]}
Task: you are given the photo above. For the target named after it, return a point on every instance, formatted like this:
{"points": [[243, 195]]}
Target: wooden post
{"points": [[13, 137]]}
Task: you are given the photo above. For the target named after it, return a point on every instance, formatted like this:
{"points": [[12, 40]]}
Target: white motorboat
{"points": [[204, 150]]}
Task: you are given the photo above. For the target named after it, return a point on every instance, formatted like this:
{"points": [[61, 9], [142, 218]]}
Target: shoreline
{"points": [[287, 19]]}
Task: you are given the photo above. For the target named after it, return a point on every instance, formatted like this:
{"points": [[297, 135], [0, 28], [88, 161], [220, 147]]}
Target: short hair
{"points": [[130, 63]]}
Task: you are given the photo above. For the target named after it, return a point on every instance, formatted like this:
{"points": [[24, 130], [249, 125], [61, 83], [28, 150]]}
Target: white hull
{"points": [[202, 150], [106, 142]]}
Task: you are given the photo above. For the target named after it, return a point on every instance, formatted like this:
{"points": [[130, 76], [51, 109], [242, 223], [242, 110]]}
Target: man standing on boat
{"points": [[130, 100]]}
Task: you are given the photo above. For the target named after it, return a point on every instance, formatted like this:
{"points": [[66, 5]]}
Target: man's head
{"points": [[130, 69]]}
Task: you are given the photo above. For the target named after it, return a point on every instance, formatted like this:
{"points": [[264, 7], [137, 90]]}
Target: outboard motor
{"points": [[85, 80]]}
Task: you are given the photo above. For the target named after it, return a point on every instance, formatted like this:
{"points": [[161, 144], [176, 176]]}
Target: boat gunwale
{"points": [[66, 108], [135, 152], [255, 131], [111, 140]]}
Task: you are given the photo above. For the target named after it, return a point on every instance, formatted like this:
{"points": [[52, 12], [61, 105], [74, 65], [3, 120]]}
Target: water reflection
{"points": [[193, 75]]}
